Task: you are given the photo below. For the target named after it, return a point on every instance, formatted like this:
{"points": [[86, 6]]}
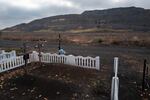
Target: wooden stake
{"points": [[144, 72]]}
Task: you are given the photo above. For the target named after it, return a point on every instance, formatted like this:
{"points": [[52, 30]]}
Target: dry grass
{"points": [[98, 30], [122, 38]]}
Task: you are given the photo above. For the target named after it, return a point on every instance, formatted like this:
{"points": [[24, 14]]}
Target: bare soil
{"points": [[57, 82]]}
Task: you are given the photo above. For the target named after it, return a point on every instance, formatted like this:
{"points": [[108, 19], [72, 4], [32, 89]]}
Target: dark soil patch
{"points": [[56, 82], [30, 88]]}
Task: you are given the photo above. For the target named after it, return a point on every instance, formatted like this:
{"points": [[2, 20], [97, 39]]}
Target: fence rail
{"points": [[11, 63], [7, 55], [84, 62], [53, 58], [88, 62]]}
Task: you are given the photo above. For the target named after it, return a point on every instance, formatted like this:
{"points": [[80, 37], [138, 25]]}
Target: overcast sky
{"points": [[14, 12]]}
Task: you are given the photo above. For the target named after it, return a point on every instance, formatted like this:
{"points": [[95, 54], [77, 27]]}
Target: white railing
{"points": [[14, 62], [115, 81], [53, 58], [11, 63], [6, 55], [34, 57], [84, 62], [88, 62]]}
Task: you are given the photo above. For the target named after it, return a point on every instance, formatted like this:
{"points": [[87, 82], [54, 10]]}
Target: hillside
{"points": [[128, 18]]}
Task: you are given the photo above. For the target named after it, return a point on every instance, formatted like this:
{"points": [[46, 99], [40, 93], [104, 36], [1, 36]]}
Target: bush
{"points": [[100, 40], [100, 88], [115, 42]]}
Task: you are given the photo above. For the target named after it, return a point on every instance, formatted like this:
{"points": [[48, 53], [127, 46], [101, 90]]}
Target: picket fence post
{"points": [[71, 60], [115, 81], [116, 66], [98, 63]]}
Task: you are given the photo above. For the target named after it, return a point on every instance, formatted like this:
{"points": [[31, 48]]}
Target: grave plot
{"points": [[56, 82]]}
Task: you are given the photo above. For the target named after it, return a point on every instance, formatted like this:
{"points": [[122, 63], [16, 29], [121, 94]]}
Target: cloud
{"points": [[103, 4], [37, 4], [13, 12], [17, 11]]}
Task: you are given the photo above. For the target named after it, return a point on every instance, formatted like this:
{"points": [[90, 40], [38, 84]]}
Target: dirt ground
{"points": [[57, 82]]}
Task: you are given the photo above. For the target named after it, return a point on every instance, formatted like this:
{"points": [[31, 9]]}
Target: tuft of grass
{"points": [[100, 40], [114, 42], [101, 30], [101, 88]]}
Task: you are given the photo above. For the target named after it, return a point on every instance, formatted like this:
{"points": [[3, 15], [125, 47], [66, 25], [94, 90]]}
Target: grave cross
{"points": [[25, 56]]}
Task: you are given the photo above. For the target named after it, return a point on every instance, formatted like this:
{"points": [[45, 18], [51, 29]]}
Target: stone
{"points": [[57, 93], [75, 95], [23, 93], [87, 96], [12, 89], [12, 97], [45, 99], [56, 75], [40, 96]]}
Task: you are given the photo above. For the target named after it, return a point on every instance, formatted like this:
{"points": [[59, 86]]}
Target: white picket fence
{"points": [[7, 55], [11, 63], [115, 82], [85, 62]]}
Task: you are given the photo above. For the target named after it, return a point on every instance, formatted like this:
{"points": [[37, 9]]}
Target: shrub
{"points": [[100, 40], [100, 87], [115, 42]]}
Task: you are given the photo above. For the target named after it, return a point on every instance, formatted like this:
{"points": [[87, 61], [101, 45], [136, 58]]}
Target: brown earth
{"points": [[141, 39], [57, 82]]}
